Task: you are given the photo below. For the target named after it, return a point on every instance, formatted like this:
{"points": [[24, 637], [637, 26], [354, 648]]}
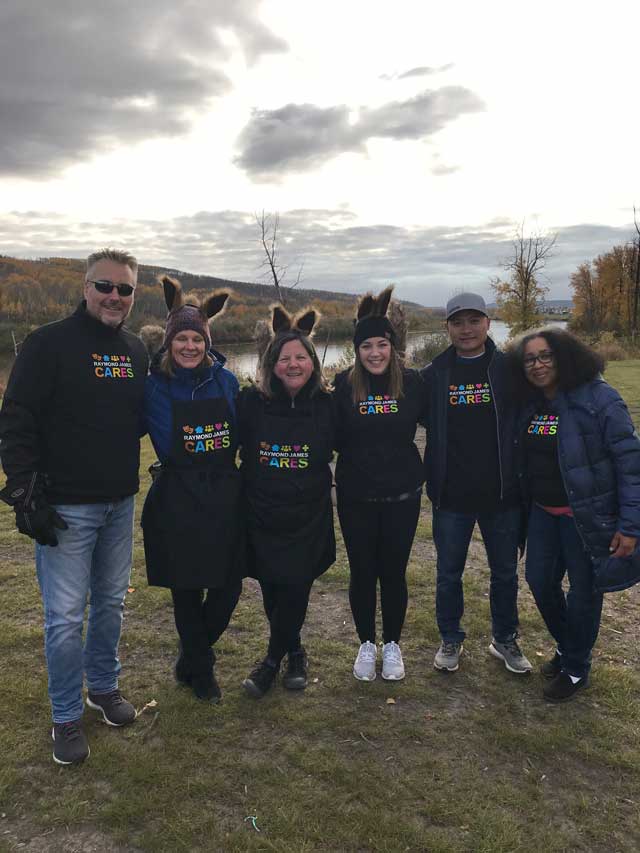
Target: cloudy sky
{"points": [[399, 142]]}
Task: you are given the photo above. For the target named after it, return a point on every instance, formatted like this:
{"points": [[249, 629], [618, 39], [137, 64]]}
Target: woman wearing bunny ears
{"points": [[192, 537], [379, 481], [287, 440]]}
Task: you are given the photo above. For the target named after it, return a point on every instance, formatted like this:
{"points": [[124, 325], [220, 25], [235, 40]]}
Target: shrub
{"points": [[432, 346]]}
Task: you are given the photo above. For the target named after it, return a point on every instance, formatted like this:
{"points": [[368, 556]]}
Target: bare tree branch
{"points": [[268, 228]]}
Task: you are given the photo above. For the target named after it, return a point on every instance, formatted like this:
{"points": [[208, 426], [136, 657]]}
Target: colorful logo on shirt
{"points": [[290, 456], [472, 394], [543, 425], [206, 439], [378, 404], [112, 366]]}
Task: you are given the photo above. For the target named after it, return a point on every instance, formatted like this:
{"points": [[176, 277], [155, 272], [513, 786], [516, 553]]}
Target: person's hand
{"points": [[34, 516], [621, 545]]}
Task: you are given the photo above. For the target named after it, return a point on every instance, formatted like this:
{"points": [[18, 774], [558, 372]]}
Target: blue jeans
{"points": [[92, 559], [554, 548], [452, 534]]}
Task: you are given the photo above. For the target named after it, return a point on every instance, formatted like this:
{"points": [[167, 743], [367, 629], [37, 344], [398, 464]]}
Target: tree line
{"points": [[33, 292]]}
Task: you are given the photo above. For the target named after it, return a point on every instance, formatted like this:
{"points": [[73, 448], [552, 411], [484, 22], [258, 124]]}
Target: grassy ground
{"points": [[474, 761]]}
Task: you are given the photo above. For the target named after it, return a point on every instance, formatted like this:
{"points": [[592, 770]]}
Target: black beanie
{"points": [[373, 327]]}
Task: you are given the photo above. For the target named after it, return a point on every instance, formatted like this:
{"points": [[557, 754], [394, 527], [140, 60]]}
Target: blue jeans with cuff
{"points": [[92, 562], [554, 549], [452, 534]]}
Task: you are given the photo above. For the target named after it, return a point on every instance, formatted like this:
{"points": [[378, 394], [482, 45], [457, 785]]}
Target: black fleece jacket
{"points": [[73, 410]]}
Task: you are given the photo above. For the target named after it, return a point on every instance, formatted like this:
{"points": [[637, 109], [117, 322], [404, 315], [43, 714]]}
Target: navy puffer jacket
{"points": [[599, 456]]}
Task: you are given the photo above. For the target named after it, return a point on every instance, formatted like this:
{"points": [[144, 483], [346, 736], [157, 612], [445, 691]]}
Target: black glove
{"points": [[34, 516]]}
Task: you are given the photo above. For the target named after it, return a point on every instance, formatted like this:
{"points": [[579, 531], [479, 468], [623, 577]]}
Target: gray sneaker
{"points": [[364, 668], [511, 655], [448, 656], [69, 743]]}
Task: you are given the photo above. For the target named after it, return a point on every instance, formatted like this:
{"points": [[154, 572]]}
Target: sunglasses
{"points": [[107, 287]]}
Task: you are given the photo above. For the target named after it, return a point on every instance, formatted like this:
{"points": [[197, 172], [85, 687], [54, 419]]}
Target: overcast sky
{"points": [[400, 142]]}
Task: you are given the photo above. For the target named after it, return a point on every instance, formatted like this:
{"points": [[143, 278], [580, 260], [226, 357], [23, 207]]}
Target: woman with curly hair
{"points": [[580, 468]]}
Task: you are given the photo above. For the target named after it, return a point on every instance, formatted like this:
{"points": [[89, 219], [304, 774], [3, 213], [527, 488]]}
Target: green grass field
{"points": [[474, 761]]}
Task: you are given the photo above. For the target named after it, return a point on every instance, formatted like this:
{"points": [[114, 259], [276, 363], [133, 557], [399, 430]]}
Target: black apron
{"points": [[288, 496], [191, 517]]}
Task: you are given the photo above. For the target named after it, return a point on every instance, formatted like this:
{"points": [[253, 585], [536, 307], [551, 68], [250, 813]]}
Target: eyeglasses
{"points": [[107, 287], [544, 358]]}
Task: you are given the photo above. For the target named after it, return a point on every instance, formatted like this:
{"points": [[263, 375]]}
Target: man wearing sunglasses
{"points": [[70, 446]]}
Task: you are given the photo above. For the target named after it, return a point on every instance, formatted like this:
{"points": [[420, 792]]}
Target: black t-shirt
{"points": [[472, 481], [377, 454], [543, 469]]}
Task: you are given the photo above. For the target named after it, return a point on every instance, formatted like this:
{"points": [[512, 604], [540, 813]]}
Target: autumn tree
{"points": [[520, 294], [589, 304]]}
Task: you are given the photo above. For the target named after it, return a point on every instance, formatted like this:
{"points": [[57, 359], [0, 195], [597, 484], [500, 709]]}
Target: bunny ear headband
{"points": [[371, 318], [190, 314]]}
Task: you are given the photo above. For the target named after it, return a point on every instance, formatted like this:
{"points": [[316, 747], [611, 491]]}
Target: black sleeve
{"points": [[30, 389], [426, 377]]}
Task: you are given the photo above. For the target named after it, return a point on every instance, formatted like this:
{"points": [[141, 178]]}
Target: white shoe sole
{"points": [[500, 656], [446, 668], [95, 707], [363, 677], [393, 677]]}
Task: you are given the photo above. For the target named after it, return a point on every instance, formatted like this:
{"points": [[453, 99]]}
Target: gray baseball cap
{"points": [[466, 302]]}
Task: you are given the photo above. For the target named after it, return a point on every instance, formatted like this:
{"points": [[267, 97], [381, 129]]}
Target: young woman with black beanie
{"points": [[379, 481]]}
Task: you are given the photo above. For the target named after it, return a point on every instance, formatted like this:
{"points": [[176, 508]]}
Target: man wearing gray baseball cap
{"points": [[470, 477]]}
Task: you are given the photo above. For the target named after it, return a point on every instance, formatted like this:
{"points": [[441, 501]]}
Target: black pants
{"points": [[378, 537], [201, 620], [286, 608]]}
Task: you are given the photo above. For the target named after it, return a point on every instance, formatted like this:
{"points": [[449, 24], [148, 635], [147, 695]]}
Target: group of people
{"points": [[532, 445]]}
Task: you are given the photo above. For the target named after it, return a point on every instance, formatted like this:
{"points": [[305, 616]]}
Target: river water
{"points": [[242, 358]]}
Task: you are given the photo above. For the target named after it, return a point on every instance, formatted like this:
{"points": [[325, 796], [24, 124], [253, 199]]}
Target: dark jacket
{"points": [[436, 379], [191, 519], [205, 384], [599, 457], [73, 410], [286, 449]]}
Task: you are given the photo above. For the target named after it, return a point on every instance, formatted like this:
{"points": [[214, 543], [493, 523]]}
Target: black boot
{"points": [[295, 678], [206, 687], [181, 668], [261, 677], [204, 682]]}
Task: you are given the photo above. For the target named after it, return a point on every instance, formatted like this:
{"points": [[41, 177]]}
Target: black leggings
{"points": [[286, 608], [202, 620], [378, 537]]}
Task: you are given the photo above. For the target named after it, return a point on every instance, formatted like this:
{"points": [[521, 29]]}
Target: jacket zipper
{"points": [[495, 406]]}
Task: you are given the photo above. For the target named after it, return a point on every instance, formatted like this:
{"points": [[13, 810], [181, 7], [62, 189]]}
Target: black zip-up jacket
{"points": [[72, 411], [436, 377]]}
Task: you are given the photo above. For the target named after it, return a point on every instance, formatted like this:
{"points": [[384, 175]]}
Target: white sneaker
{"points": [[364, 667], [392, 664]]}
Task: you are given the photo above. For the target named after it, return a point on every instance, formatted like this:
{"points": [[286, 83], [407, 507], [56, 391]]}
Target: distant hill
{"points": [[39, 291]]}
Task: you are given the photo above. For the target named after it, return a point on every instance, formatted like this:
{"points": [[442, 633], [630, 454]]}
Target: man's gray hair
{"points": [[119, 256]]}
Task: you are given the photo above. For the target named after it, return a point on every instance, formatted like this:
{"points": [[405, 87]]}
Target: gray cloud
{"points": [[298, 137], [78, 78], [428, 264], [419, 71]]}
